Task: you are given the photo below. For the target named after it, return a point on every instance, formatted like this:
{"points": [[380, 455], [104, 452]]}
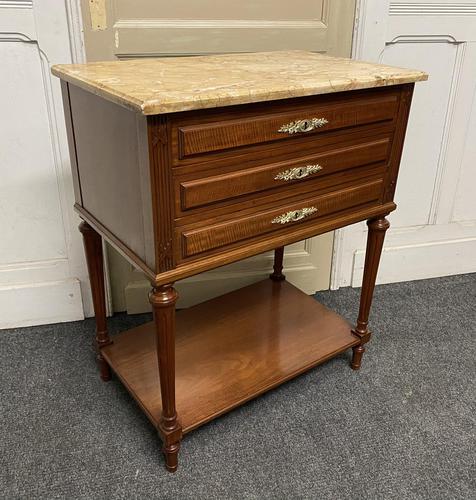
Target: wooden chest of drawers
{"points": [[235, 174], [186, 182]]}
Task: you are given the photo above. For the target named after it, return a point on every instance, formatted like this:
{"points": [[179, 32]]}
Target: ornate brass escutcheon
{"points": [[298, 173], [294, 215], [301, 126]]}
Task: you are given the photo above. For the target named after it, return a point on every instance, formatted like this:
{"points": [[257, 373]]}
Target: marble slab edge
{"points": [[152, 107]]}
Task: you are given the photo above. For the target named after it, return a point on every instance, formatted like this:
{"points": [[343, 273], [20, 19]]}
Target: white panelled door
{"points": [[41, 263], [433, 231]]}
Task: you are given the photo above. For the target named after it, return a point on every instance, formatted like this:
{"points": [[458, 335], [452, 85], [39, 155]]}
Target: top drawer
{"points": [[216, 131]]}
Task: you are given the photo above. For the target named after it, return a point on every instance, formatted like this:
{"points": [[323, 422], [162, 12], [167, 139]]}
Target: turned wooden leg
{"points": [[277, 274], [357, 353], [163, 299], [377, 229], [94, 258]]}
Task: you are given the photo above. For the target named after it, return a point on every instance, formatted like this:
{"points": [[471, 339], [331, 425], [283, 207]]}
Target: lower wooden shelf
{"points": [[231, 349]]}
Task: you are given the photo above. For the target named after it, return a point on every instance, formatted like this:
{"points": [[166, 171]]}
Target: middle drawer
{"points": [[206, 188]]}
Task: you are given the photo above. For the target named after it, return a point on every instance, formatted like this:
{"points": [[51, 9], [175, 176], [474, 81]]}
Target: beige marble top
{"points": [[155, 86]]}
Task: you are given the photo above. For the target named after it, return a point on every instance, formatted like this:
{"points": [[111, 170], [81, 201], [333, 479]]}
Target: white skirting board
{"points": [[420, 261], [40, 303]]}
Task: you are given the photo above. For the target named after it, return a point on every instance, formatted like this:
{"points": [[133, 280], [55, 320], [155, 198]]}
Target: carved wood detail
{"points": [[162, 191]]}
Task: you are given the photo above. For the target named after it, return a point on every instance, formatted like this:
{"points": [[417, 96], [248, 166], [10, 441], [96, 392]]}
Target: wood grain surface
{"points": [[240, 228], [236, 130], [206, 189], [231, 349], [209, 193], [183, 196]]}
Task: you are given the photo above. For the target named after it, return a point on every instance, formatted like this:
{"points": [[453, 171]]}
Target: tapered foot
{"points": [[171, 456], [357, 353], [104, 369]]}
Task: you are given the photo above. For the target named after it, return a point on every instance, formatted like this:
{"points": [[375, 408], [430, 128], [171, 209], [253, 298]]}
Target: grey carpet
{"points": [[402, 427]]}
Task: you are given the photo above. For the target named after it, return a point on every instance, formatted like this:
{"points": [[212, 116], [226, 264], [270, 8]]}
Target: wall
{"points": [[42, 270]]}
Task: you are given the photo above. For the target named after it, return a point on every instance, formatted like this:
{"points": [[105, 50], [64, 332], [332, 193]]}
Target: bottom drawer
{"points": [[196, 240]]}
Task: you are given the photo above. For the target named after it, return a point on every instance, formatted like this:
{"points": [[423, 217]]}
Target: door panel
{"points": [[122, 29], [201, 9], [433, 230], [422, 152]]}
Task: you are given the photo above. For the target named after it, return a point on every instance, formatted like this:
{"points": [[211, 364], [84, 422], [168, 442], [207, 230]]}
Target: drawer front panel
{"points": [[202, 239], [203, 191], [288, 123]]}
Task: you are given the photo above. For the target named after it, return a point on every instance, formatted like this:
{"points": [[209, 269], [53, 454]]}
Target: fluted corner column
{"points": [[163, 299]]}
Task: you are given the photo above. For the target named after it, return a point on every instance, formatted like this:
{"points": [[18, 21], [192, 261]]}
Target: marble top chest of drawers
{"points": [[187, 164]]}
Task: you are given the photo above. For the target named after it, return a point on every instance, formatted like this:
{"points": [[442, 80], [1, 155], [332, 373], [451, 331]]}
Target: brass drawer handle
{"points": [[294, 215], [297, 173], [300, 126]]}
